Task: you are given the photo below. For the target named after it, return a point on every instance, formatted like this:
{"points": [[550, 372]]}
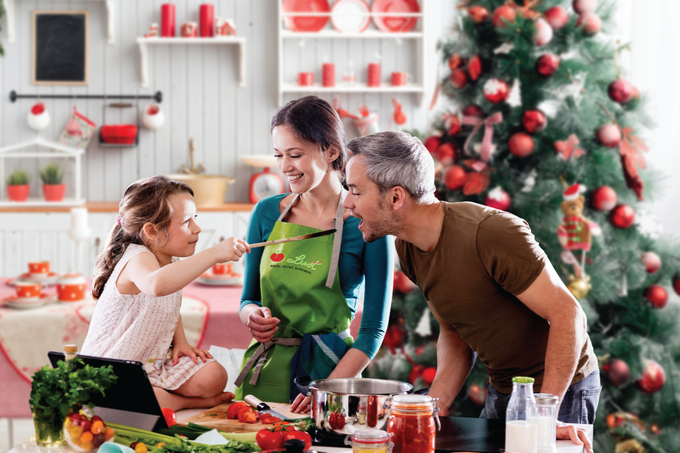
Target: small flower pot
{"points": [[54, 192], [18, 193]]}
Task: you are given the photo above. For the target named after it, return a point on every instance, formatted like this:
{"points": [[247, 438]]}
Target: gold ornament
{"points": [[579, 287], [630, 446]]}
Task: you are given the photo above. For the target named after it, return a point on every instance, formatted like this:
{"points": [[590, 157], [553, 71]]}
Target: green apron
{"points": [[299, 283]]}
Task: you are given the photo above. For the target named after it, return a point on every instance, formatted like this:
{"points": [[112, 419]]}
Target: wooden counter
{"points": [[112, 206]]}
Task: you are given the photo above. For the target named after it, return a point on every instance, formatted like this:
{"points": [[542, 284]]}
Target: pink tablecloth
{"points": [[224, 328]]}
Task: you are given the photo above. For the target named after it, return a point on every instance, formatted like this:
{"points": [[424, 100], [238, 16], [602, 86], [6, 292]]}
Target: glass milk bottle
{"points": [[520, 419], [546, 421]]}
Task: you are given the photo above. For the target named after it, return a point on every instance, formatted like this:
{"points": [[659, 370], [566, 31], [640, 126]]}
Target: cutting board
{"points": [[217, 418]]}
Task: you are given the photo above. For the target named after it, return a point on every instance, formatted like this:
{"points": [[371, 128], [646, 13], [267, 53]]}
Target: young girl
{"points": [[139, 284]]}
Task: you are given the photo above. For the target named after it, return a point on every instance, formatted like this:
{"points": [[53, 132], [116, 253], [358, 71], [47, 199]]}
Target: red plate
{"points": [[398, 24], [351, 16], [306, 23]]}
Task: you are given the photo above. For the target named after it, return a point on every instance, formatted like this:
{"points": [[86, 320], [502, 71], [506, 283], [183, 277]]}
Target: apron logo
{"points": [[277, 257], [301, 261]]}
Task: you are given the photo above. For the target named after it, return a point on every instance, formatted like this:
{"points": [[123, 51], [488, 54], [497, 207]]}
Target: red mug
{"points": [[374, 75], [39, 268], [306, 79], [28, 290], [223, 269], [188, 30], [71, 288], [399, 79]]}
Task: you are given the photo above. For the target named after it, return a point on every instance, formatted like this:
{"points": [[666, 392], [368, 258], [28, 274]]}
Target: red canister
{"points": [[374, 75], [167, 20], [328, 74], [207, 20]]}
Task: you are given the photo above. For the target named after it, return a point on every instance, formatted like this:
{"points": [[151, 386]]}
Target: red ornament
{"points": [[38, 108], [557, 17], [432, 143], [415, 373], [452, 125], [394, 337], [651, 261], [477, 395], [521, 144], [547, 64], [543, 32], [609, 135], [622, 216], [496, 91], [402, 283], [590, 22], [676, 284], [534, 121], [478, 13], [603, 198], [616, 371], [652, 379], [446, 154], [473, 110], [584, 6], [656, 295], [429, 374], [455, 61], [620, 90], [458, 78], [502, 15], [455, 177], [474, 67], [498, 199]]}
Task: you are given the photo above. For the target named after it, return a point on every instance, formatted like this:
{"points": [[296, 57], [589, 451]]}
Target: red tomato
{"points": [[299, 435], [332, 420], [170, 416], [268, 419], [340, 421], [269, 440], [282, 426], [232, 412], [247, 415], [97, 418]]}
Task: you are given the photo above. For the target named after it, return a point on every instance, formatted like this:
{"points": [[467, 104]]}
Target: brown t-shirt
{"points": [[483, 259]]}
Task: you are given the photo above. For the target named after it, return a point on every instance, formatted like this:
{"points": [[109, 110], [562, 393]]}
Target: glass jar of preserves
{"points": [[413, 423], [371, 441]]}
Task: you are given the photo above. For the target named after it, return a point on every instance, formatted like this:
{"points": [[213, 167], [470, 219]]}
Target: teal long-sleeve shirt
{"points": [[361, 265]]}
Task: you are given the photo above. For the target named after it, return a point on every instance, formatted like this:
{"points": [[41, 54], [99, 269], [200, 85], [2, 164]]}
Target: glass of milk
{"points": [[521, 418], [546, 417]]}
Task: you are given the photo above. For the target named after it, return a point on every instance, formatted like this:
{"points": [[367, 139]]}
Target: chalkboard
{"points": [[60, 47]]}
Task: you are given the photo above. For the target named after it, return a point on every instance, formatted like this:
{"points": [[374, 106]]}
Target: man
{"points": [[488, 283]]}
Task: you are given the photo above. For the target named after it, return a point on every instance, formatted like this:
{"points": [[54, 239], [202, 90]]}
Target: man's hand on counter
{"points": [[579, 436]]}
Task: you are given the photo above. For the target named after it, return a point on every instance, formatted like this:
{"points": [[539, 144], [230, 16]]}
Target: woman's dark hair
{"points": [[315, 121], [144, 201]]}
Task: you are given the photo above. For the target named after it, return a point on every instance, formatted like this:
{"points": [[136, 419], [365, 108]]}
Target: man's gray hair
{"points": [[396, 159]]}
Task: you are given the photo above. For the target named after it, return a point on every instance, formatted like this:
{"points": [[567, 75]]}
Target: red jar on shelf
{"points": [[413, 423]]}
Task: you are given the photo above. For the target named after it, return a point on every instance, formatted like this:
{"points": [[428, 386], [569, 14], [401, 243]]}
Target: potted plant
{"points": [[53, 189], [17, 185], [57, 392]]}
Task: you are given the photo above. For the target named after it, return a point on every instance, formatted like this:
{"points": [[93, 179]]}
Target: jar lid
{"points": [[370, 436], [71, 279], [412, 398], [522, 380], [545, 399]]}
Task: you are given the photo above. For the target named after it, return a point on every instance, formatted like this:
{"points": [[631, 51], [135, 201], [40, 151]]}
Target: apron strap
{"points": [[261, 353], [290, 205], [337, 243]]}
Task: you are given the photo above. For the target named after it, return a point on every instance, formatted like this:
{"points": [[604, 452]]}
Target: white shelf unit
{"points": [[223, 40], [55, 151], [110, 20], [417, 34]]}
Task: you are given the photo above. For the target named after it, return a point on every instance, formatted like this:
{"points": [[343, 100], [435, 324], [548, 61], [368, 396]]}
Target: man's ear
{"points": [[150, 231], [397, 197]]}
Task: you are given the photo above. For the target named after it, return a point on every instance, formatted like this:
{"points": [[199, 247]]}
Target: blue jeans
{"points": [[579, 404]]}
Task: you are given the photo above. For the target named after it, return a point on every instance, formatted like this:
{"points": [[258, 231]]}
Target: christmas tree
{"points": [[541, 122]]}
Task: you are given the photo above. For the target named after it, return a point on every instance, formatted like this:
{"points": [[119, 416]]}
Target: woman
{"points": [[298, 289]]}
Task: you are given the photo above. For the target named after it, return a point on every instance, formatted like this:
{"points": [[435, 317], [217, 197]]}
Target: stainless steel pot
{"points": [[344, 405]]}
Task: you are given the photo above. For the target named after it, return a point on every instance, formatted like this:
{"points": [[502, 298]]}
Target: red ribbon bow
{"points": [[525, 11], [632, 158], [485, 149], [568, 149]]}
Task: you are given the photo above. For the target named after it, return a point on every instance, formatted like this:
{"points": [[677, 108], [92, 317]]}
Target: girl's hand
{"points": [[261, 324], [231, 249], [189, 351]]}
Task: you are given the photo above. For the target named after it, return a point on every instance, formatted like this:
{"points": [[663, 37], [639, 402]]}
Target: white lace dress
{"points": [[139, 327]]}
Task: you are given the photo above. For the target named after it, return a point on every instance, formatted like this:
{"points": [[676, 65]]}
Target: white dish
{"points": [[24, 305], [210, 279], [260, 161], [350, 16], [49, 279]]}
